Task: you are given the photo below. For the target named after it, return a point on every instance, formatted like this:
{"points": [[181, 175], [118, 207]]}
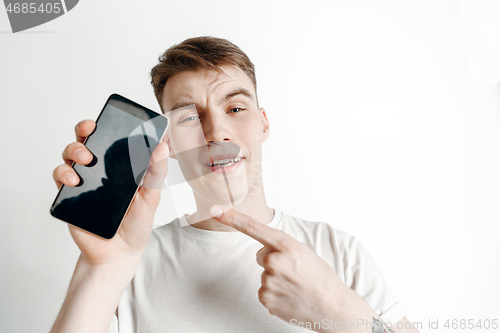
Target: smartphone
{"points": [[125, 135]]}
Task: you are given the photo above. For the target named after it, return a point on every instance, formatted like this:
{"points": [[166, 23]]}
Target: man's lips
{"points": [[222, 157], [228, 165]]}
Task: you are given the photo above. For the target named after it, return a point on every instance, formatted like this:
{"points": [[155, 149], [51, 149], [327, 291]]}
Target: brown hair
{"points": [[199, 53]]}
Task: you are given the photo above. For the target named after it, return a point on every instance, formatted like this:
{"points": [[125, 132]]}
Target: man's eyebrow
{"points": [[228, 96], [235, 92], [181, 104]]}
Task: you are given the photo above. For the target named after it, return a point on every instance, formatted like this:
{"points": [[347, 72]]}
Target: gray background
{"points": [[384, 122]]}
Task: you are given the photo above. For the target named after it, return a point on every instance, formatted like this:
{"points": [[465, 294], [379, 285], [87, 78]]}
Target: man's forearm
{"points": [[93, 296], [353, 315]]}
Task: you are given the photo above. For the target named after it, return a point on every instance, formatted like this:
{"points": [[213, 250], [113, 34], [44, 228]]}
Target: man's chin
{"points": [[222, 194]]}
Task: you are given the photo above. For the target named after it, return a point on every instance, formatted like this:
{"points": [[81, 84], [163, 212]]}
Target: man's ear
{"points": [[265, 124]]}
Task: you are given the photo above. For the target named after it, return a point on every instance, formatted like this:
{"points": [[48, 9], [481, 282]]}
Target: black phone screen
{"points": [[126, 133]]}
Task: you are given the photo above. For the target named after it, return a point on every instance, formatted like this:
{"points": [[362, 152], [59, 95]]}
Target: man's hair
{"points": [[199, 53]]}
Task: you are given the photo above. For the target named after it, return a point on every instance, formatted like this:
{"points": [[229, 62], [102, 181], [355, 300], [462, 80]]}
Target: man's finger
{"points": [[157, 171], [261, 254], [64, 174], [83, 129], [266, 235], [78, 153]]}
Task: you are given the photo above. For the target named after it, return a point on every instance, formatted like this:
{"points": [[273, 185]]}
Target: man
{"points": [[208, 272]]}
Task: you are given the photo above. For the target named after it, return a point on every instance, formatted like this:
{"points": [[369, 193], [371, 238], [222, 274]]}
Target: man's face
{"points": [[214, 117]]}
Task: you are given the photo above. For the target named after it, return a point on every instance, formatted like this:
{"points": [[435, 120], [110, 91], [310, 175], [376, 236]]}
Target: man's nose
{"points": [[215, 129]]}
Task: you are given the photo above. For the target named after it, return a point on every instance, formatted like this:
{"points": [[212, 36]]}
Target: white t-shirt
{"points": [[196, 280]]}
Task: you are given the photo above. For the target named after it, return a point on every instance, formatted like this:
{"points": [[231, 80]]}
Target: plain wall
{"points": [[384, 123]]}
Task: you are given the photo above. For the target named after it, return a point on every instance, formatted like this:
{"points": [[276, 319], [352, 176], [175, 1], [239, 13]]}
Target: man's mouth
{"points": [[223, 163]]}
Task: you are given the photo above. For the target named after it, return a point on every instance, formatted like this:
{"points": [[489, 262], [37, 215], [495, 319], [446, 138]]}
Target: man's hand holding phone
{"points": [[134, 232], [106, 266]]}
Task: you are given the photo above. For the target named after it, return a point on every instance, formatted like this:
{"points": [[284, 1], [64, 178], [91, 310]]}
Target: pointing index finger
{"points": [[265, 234]]}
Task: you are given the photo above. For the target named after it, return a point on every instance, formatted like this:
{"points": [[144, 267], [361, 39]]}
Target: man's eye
{"points": [[235, 110], [189, 119]]}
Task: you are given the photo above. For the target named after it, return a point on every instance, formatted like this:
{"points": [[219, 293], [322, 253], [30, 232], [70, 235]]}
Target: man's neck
{"points": [[253, 206]]}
